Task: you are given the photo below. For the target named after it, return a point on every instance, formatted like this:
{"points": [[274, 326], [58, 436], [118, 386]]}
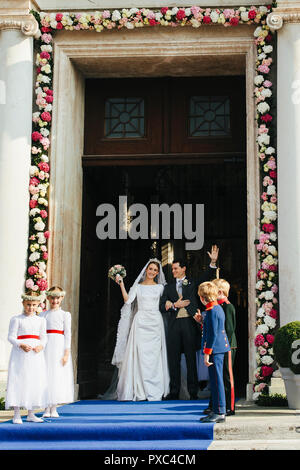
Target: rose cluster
{"points": [[266, 244], [36, 278], [139, 17]]}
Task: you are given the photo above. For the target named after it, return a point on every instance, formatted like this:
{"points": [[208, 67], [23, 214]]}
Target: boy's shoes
{"points": [[230, 412], [207, 411], [213, 418]]}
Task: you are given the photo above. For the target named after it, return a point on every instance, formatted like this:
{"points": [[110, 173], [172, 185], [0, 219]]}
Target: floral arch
{"points": [[267, 276]]}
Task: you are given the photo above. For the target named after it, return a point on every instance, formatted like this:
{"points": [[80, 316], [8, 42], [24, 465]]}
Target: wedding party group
{"points": [[160, 323], [198, 318]]}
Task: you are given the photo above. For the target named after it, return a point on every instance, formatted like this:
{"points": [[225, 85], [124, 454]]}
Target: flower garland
{"points": [[194, 16]]}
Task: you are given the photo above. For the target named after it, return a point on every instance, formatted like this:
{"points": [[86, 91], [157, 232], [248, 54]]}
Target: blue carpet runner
{"points": [[111, 425]]}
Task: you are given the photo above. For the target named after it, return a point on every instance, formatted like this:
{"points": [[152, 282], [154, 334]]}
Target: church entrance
{"points": [[173, 141]]}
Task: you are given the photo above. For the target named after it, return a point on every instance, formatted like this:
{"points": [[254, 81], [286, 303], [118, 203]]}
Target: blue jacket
{"points": [[214, 338]]}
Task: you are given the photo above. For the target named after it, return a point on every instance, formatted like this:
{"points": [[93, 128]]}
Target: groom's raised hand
{"points": [[213, 254]]}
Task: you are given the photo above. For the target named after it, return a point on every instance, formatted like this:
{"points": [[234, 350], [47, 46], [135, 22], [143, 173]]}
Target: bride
{"points": [[140, 352]]}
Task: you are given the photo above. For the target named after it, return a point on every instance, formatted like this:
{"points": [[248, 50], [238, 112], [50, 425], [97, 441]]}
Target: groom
{"points": [[180, 298]]}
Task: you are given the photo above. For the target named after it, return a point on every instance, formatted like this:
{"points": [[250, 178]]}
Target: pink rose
{"points": [[43, 166], [36, 136], [45, 55], [43, 214], [45, 255], [270, 339], [47, 234], [59, 16], [42, 284], [46, 116], [259, 340], [33, 203], [34, 181], [29, 284], [46, 38], [180, 14], [266, 371], [32, 270]]}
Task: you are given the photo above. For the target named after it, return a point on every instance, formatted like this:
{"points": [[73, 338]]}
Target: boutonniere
{"points": [[185, 282]]}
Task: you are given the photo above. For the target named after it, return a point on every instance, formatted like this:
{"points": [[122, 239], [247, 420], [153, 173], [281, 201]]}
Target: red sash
{"points": [[28, 336], [59, 332]]}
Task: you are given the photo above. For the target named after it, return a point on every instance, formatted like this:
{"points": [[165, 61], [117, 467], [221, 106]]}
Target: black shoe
{"points": [[213, 418], [230, 412], [207, 411], [171, 396]]}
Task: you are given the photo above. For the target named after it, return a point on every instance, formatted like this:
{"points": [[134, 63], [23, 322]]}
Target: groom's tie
{"points": [[179, 287]]}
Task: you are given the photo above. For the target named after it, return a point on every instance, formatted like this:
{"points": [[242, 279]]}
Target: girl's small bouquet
{"points": [[115, 271]]}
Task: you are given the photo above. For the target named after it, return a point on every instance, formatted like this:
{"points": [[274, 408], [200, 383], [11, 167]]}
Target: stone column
{"points": [[286, 19], [16, 88]]}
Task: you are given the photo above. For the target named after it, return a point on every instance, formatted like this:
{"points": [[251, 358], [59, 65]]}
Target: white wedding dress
{"points": [[143, 373]]}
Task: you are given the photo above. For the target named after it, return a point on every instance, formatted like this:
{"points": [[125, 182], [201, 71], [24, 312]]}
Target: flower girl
{"points": [[58, 353], [27, 377]]}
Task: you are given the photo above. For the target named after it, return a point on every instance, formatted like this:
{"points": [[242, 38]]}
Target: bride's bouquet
{"points": [[116, 270]]}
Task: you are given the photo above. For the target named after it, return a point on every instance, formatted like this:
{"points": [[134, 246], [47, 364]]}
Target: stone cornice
{"points": [[27, 24], [279, 16]]}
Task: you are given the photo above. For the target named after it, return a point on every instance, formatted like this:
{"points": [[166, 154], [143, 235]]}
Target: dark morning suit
{"points": [[216, 344], [183, 334], [230, 324]]}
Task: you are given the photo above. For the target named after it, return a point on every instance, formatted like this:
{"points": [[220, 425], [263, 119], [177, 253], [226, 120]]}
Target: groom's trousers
{"points": [[181, 338]]}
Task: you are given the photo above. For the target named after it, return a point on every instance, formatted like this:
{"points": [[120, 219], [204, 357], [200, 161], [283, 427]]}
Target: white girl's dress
{"points": [[60, 378], [144, 373], [27, 375]]}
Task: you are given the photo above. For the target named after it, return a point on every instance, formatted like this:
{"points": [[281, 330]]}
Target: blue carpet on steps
{"points": [[111, 425]]}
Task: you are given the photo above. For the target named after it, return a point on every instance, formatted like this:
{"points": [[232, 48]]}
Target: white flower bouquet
{"points": [[115, 271]]}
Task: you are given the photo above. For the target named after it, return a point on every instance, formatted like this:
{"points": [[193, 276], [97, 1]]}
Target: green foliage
{"points": [[284, 338], [272, 400], [2, 403]]}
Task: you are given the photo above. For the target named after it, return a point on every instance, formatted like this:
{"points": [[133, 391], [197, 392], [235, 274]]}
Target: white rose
{"points": [[44, 158], [260, 312], [258, 80], [266, 92], [255, 396], [244, 16], [271, 190], [268, 360], [195, 23], [270, 322], [188, 11], [269, 150], [262, 9], [263, 139], [261, 329], [44, 132], [261, 56], [174, 11], [34, 170], [116, 15], [273, 236], [263, 107], [268, 49], [214, 16], [34, 212], [39, 226], [258, 31], [34, 257]]}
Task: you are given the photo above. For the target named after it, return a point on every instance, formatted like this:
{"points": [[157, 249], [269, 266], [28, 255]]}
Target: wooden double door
{"points": [[160, 141]]}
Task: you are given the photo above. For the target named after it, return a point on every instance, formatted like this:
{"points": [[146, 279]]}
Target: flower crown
{"points": [[54, 293], [38, 298]]}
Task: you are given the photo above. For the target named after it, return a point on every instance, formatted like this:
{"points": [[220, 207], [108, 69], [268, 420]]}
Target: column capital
{"points": [[27, 24], [286, 12]]}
